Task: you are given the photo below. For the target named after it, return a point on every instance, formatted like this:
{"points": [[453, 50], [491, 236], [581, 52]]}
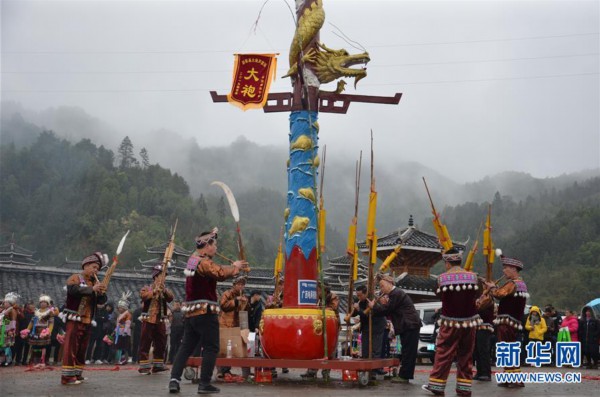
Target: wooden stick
{"points": [[351, 277], [371, 281], [246, 269], [224, 257]]}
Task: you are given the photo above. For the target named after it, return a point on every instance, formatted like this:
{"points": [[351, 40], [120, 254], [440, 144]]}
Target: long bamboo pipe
{"points": [[246, 269]]}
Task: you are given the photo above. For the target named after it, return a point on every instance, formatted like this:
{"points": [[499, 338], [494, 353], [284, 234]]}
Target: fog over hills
{"points": [[247, 166]]}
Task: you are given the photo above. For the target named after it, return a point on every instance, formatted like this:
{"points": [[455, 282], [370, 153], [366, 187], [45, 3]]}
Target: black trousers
{"points": [[137, 333], [482, 352], [57, 348], [96, 346], [590, 352], [21, 350], [385, 344], [377, 342], [176, 337], [410, 345], [200, 330]]}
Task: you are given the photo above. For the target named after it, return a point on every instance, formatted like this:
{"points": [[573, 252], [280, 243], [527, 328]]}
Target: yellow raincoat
{"points": [[536, 329]]}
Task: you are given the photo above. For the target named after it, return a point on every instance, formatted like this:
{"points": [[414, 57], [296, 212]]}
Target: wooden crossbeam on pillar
{"points": [[329, 102]]}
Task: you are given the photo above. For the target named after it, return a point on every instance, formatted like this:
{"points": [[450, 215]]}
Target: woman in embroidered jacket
{"points": [[38, 332], [8, 326], [123, 329]]}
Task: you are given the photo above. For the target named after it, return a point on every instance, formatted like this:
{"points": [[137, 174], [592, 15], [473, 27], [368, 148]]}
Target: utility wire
{"points": [[284, 70], [482, 41], [369, 85], [488, 60], [169, 52]]}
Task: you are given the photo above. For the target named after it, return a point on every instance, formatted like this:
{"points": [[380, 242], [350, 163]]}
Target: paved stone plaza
{"points": [[106, 381]]}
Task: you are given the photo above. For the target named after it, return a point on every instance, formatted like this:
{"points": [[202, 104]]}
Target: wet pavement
{"points": [[103, 380]]}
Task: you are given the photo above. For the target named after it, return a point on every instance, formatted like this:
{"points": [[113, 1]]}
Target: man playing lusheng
{"points": [[232, 302], [513, 296], [405, 319], [459, 320], [154, 314], [84, 292]]}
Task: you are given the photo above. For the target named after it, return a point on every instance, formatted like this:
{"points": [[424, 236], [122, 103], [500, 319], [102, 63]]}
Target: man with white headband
{"points": [[201, 309]]}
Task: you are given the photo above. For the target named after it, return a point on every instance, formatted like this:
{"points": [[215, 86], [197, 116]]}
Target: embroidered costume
{"points": [[39, 331], [78, 315], [232, 302], [154, 317], [458, 323], [8, 326], [123, 329], [512, 298], [201, 308], [483, 337]]}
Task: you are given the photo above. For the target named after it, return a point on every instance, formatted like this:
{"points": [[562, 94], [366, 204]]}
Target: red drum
{"points": [[298, 333]]}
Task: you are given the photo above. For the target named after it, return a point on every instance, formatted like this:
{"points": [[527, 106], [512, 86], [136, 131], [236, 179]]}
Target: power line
{"points": [[482, 40], [170, 52], [367, 85], [484, 80], [121, 72], [285, 70], [489, 60]]}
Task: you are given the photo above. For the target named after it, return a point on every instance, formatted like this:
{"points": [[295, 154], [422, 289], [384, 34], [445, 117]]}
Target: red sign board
{"points": [[252, 76]]}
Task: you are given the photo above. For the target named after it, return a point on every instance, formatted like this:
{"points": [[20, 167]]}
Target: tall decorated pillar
{"points": [[302, 328], [300, 289], [297, 330]]}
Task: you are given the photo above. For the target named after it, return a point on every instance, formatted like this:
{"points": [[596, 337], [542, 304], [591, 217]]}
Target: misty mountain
{"points": [[69, 122], [520, 185], [246, 166], [63, 199], [16, 131]]}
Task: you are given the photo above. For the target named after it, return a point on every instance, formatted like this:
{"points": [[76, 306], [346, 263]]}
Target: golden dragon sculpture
{"points": [[328, 64]]}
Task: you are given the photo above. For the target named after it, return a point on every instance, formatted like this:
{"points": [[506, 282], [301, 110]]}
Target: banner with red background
{"points": [[252, 76]]}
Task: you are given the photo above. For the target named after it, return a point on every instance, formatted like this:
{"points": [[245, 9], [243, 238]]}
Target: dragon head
{"points": [[334, 64]]}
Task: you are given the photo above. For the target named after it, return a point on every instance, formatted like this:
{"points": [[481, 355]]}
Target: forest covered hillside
{"points": [[64, 198]]}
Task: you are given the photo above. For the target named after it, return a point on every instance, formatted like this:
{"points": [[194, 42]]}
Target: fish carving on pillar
{"points": [[296, 329], [311, 64]]}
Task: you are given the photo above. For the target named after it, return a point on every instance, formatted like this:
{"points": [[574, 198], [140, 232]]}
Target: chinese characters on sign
{"points": [[307, 292], [507, 354], [538, 354], [568, 353], [252, 76]]}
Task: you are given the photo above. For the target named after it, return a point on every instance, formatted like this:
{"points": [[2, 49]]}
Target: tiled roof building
{"points": [[337, 274], [178, 261], [30, 282], [20, 273], [12, 254], [259, 278], [420, 251]]}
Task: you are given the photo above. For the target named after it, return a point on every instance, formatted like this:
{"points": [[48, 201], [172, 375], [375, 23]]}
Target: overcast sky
{"points": [[487, 86]]}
